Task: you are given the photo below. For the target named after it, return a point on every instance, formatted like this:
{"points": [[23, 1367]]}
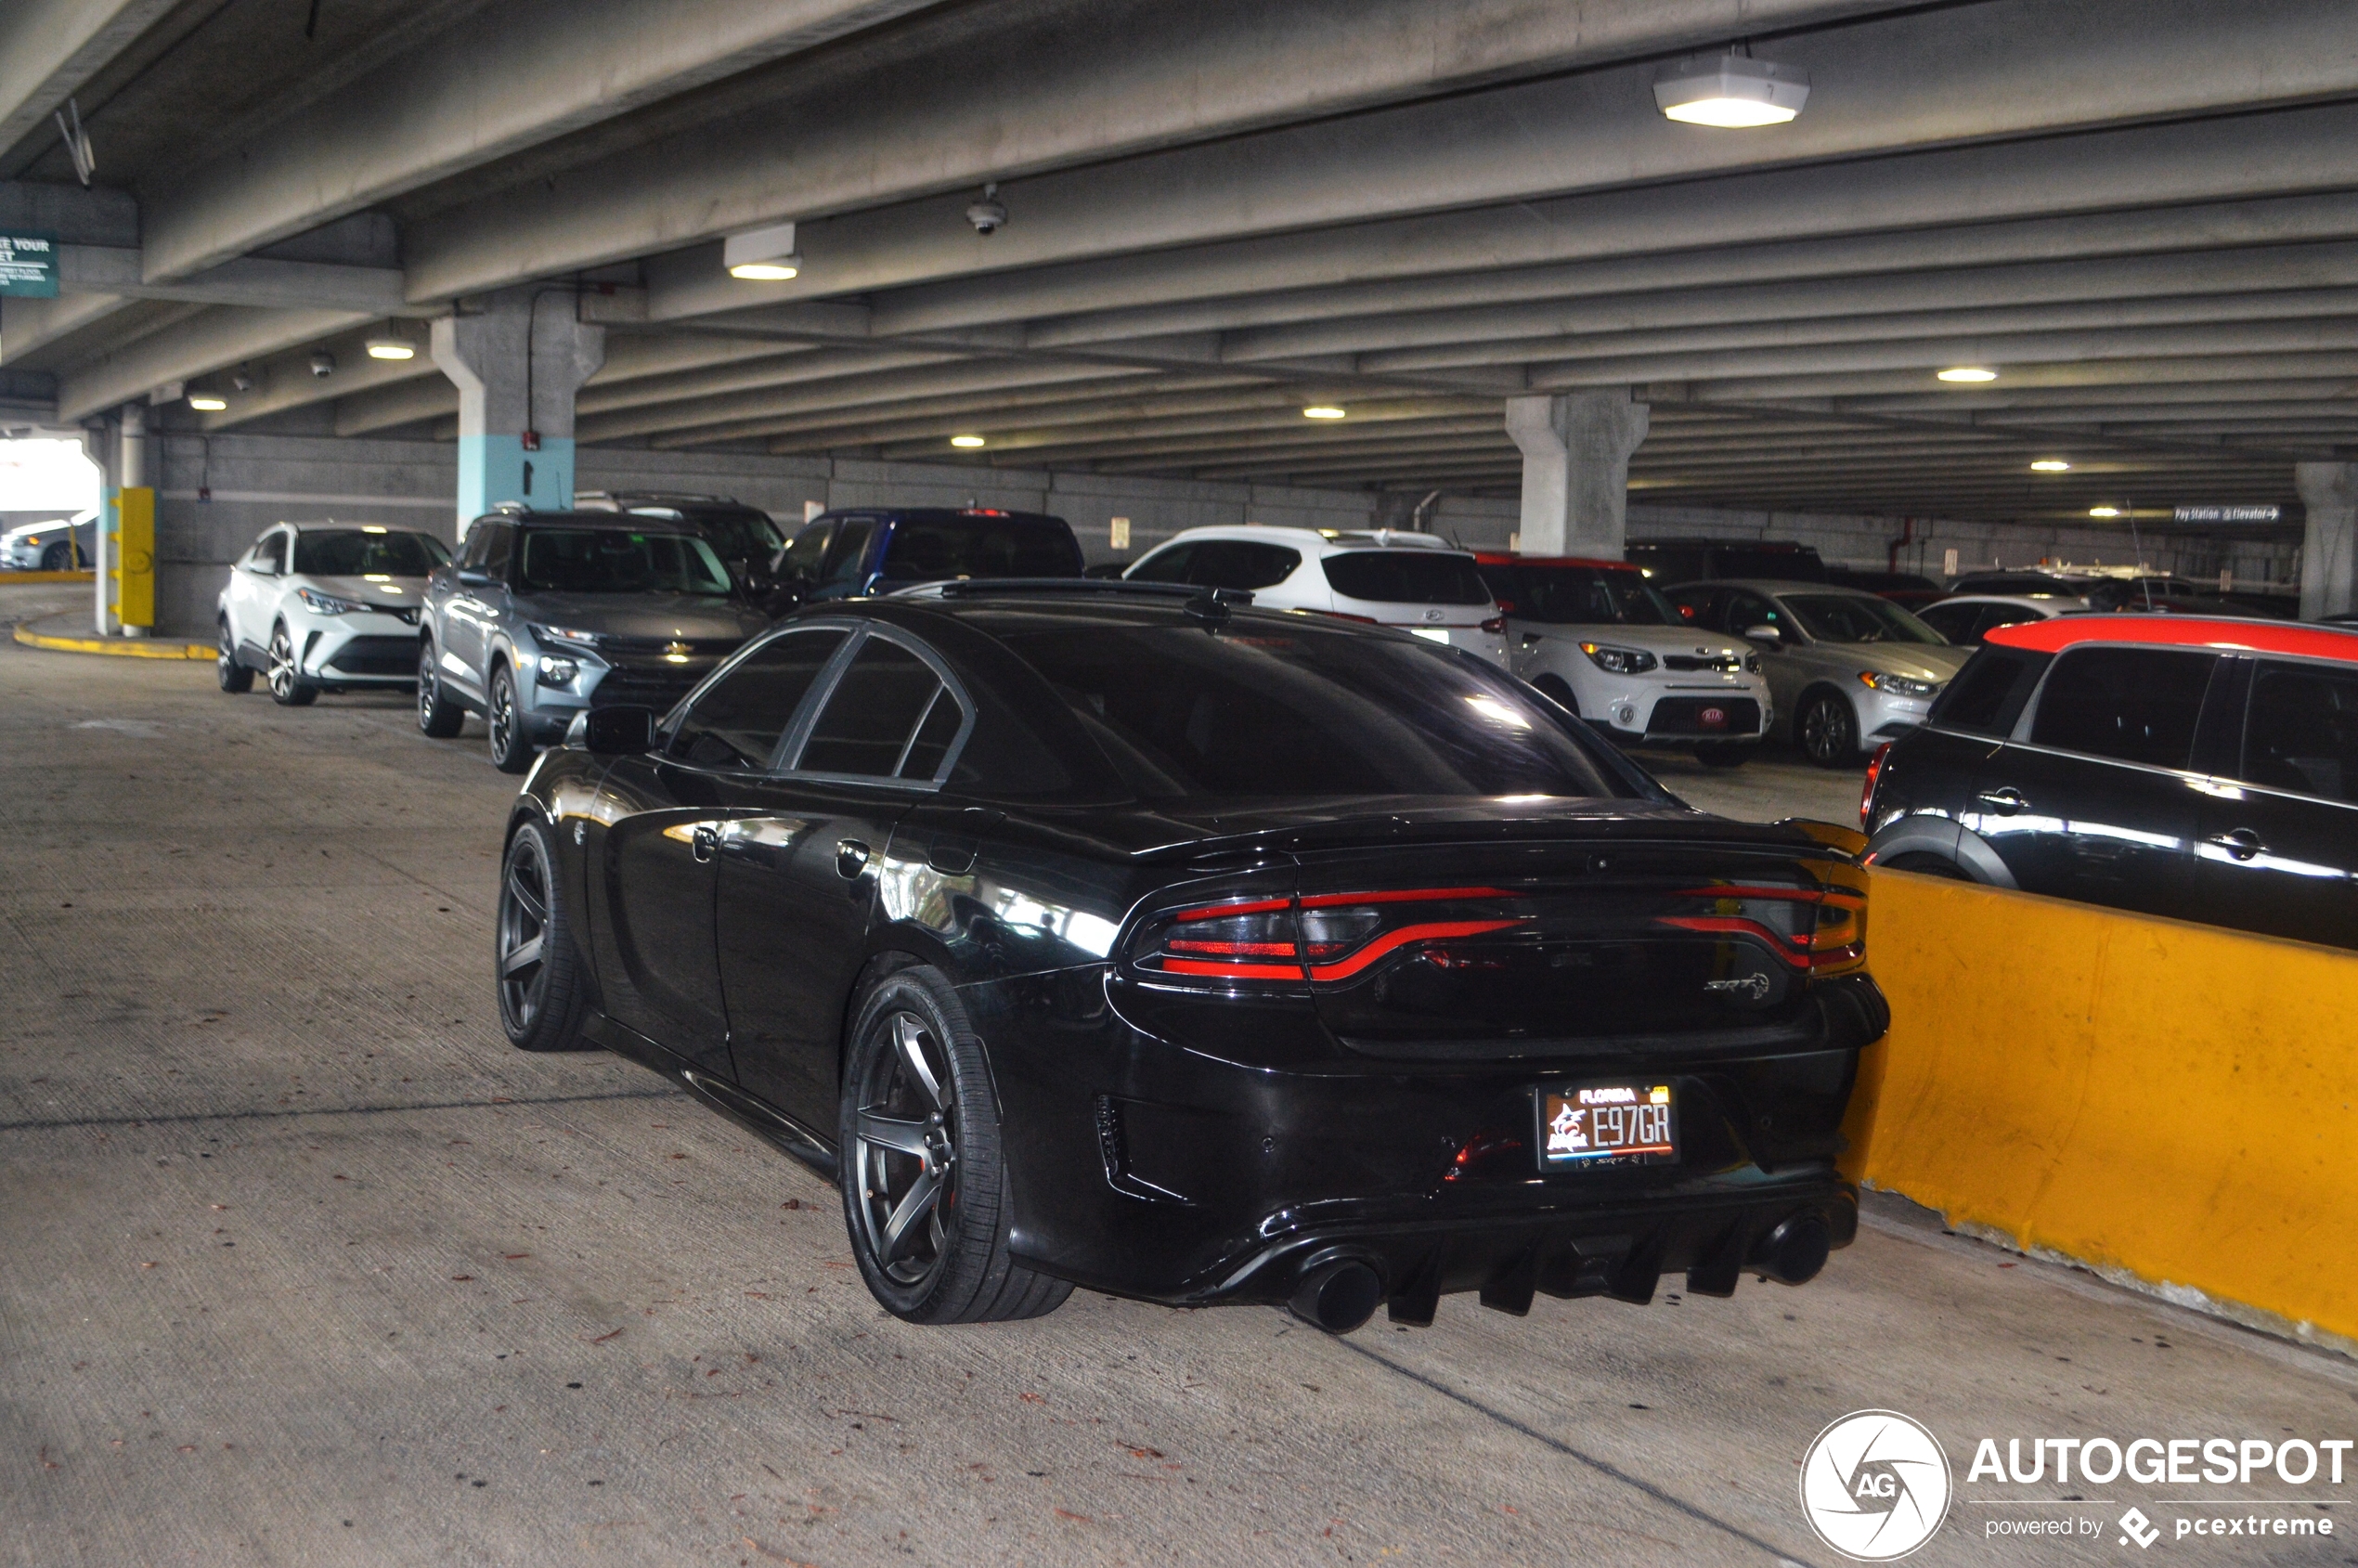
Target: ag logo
{"points": [[1874, 1485]]}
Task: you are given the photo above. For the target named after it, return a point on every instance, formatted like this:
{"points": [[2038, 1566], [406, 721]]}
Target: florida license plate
{"points": [[1584, 1124]]}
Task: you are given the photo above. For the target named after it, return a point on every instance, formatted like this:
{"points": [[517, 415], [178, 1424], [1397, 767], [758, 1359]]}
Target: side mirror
{"points": [[1764, 634], [620, 731], [473, 577]]}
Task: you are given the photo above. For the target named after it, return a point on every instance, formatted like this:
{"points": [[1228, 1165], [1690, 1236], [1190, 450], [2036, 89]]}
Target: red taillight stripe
{"points": [[1233, 950], [1735, 926], [1839, 897], [1216, 911], [1231, 971], [1403, 895], [1435, 931]]}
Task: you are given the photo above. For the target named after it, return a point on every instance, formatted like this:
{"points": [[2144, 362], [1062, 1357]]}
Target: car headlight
{"points": [[562, 636], [1897, 685], [557, 671], [1620, 661], [328, 604]]}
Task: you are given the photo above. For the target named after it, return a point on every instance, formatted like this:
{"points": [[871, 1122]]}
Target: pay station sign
{"points": [[28, 265], [2230, 513]]}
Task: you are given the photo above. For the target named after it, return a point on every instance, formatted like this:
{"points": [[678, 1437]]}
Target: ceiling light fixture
{"points": [[762, 256], [2051, 465], [389, 348], [207, 402], [1967, 374], [2103, 511], [967, 442], [1322, 411], [1731, 91]]}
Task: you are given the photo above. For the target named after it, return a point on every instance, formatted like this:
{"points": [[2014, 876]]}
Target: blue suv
{"points": [[858, 551]]}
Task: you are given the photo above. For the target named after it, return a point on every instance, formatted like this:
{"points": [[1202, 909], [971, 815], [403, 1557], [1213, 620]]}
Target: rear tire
{"points": [[924, 1183], [287, 688], [58, 558], [1828, 730], [542, 999], [1725, 753], [235, 678], [438, 716], [511, 752]]}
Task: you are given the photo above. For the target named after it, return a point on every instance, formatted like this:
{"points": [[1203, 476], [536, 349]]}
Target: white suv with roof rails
{"points": [[1412, 581]]}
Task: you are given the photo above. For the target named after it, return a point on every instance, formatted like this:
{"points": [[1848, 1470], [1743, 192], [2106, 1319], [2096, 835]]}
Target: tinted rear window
{"points": [[611, 560], [1580, 596], [351, 552], [871, 720], [2303, 734], [1406, 576], [1259, 711], [926, 550], [1782, 566], [2132, 705]]}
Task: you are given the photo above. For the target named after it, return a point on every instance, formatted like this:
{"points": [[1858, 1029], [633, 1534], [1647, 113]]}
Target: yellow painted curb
{"points": [[122, 647], [8, 578]]}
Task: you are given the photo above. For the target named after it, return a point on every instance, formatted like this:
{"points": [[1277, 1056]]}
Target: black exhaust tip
{"points": [[1796, 1250], [1337, 1297]]}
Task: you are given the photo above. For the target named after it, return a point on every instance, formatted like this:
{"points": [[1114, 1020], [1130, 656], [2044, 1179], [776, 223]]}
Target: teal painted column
{"points": [[517, 358]]}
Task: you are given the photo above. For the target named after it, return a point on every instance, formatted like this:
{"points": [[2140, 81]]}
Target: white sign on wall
{"points": [[1118, 535]]}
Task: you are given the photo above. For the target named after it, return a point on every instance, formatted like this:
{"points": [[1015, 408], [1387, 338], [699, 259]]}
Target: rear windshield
{"points": [[357, 552], [928, 550], [611, 560], [1406, 576], [1258, 711], [1842, 618], [1781, 565], [1579, 596], [738, 536]]}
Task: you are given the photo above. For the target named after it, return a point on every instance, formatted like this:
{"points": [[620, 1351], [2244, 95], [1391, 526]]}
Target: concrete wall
{"points": [[256, 479]]}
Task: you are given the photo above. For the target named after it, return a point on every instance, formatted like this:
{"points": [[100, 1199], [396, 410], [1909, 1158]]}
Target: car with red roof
{"points": [[2202, 769]]}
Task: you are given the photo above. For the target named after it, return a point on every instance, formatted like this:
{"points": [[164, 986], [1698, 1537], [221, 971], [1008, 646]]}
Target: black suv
{"points": [[1679, 560], [2201, 769], [873, 550], [743, 536], [546, 615]]}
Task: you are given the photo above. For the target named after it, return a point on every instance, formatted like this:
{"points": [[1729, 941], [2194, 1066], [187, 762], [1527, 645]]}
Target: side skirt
{"points": [[754, 1115]]}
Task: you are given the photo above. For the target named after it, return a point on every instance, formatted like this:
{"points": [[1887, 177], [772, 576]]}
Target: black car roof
{"points": [[619, 522], [937, 514]]}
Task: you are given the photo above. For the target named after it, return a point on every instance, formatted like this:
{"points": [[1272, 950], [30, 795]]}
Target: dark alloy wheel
{"points": [[511, 752], [1828, 730], [234, 676], [438, 716], [58, 557], [924, 1191], [287, 688], [541, 997]]}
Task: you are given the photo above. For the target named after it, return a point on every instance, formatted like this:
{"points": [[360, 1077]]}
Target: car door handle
{"points": [[851, 859], [703, 842], [2005, 802], [2243, 844]]}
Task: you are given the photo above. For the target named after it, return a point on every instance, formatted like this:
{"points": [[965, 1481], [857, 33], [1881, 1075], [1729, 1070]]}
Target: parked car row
{"points": [[67, 544]]}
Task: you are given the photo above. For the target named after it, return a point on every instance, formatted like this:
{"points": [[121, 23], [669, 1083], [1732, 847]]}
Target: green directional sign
{"points": [[28, 265]]}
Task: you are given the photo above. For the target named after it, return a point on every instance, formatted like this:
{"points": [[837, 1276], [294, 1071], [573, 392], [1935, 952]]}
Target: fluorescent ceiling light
{"points": [[1322, 411], [207, 403], [762, 256], [1968, 373], [1730, 92], [392, 348], [966, 441], [2051, 465], [2103, 511]]}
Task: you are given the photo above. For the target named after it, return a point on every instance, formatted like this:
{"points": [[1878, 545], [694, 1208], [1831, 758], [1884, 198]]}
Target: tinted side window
{"points": [[808, 552], [1701, 606], [2302, 730], [270, 555], [1987, 696], [1406, 576], [874, 716], [2132, 705], [848, 556], [1958, 622], [1744, 611], [1241, 564], [1168, 565], [737, 723], [497, 546]]}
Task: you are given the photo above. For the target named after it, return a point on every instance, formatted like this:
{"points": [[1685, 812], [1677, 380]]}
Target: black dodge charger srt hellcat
{"points": [[1127, 937]]}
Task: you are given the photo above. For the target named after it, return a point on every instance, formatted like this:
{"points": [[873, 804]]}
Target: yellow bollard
{"points": [[135, 553]]}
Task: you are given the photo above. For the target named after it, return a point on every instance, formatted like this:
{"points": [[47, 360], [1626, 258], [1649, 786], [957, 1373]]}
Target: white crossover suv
{"points": [[323, 606], [1596, 637], [1412, 581]]}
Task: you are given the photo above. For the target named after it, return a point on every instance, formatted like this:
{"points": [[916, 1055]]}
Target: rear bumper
{"points": [[1141, 1168]]}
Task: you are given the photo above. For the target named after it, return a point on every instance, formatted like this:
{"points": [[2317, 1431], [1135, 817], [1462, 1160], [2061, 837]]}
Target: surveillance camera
{"points": [[240, 381], [323, 364], [989, 214]]}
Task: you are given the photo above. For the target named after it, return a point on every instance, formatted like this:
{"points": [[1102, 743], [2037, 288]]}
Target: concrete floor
{"points": [[300, 1264]]}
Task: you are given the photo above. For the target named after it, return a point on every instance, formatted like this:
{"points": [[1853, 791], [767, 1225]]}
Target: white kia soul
{"points": [[1412, 581], [1598, 638]]}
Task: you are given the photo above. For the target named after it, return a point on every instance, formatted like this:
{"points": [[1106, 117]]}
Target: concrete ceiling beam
{"points": [[259, 280], [513, 76], [822, 378], [217, 336], [1839, 392], [389, 407], [50, 48], [1052, 406], [1242, 429]]}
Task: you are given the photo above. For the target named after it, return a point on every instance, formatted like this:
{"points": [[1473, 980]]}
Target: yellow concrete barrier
{"points": [[122, 647], [8, 579], [2171, 1102]]}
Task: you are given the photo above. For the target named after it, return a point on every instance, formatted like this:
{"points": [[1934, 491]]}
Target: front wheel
{"points": [[287, 688], [438, 716], [58, 558], [1828, 730], [542, 999], [234, 676], [924, 1190], [511, 752]]}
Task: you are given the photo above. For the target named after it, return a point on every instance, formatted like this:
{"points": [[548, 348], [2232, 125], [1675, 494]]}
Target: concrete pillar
{"points": [[517, 357], [2330, 549], [1576, 469], [99, 444]]}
